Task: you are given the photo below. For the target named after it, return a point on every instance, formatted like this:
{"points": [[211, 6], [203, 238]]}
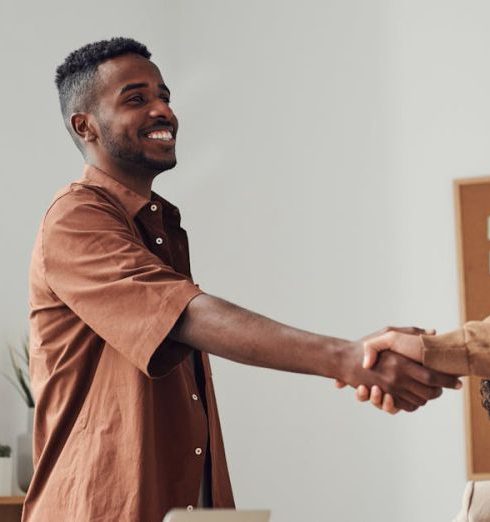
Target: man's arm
{"points": [[221, 328]]}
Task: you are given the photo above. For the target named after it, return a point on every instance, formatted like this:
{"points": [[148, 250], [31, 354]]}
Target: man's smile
{"points": [[164, 135], [160, 134]]}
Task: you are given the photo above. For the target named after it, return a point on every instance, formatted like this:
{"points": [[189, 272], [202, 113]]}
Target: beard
{"points": [[120, 147]]}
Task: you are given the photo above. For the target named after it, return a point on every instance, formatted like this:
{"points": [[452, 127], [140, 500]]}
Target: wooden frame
{"points": [[472, 201]]}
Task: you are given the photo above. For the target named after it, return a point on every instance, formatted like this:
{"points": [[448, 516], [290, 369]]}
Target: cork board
{"points": [[472, 198]]}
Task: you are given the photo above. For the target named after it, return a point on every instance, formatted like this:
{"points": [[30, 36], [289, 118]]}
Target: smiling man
{"points": [[126, 423]]}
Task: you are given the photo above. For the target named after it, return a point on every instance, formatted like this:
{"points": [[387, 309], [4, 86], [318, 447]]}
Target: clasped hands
{"points": [[393, 378]]}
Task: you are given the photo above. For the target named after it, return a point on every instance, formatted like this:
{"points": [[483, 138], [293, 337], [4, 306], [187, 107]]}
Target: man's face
{"points": [[136, 127]]}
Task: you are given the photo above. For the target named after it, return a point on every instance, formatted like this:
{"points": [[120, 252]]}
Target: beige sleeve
{"points": [[462, 352], [476, 503]]}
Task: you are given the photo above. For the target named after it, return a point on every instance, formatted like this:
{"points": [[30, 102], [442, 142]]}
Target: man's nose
{"points": [[161, 109]]}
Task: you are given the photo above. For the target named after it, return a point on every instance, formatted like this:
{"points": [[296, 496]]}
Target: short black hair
{"points": [[76, 76]]}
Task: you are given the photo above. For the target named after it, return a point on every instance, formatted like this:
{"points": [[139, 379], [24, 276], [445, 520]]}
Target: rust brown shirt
{"points": [[122, 419]]}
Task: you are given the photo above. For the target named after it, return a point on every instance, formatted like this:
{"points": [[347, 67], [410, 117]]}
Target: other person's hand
{"points": [[395, 382], [372, 341], [409, 345]]}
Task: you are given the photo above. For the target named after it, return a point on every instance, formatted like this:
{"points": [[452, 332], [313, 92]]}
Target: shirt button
{"points": [[198, 451], [190, 508], [194, 397], [153, 208], [159, 240]]}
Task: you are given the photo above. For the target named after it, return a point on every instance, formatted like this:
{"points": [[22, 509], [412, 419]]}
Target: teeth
{"points": [[164, 135]]}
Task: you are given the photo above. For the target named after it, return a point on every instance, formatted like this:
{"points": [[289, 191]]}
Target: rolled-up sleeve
{"points": [[98, 266], [465, 351]]}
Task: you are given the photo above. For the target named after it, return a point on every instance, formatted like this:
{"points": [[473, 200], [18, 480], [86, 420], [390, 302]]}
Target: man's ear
{"points": [[83, 127]]}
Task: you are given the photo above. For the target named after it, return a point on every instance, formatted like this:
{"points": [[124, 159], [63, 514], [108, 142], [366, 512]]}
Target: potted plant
{"points": [[5, 471], [20, 365]]}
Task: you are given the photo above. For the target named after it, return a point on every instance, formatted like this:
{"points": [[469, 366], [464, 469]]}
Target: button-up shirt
{"points": [[125, 417]]}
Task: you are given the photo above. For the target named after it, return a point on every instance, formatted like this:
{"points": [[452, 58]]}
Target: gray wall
{"points": [[317, 146]]}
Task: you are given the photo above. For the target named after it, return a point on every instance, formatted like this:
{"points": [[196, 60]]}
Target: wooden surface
{"points": [[11, 501], [11, 509], [472, 219]]}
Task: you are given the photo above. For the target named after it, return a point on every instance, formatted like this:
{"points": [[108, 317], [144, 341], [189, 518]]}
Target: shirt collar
{"points": [[131, 201]]}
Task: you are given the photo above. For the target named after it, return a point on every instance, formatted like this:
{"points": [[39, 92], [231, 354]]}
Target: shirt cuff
{"points": [[167, 353], [446, 352]]}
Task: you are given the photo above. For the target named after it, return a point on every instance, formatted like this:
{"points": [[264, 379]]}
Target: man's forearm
{"points": [[221, 328], [218, 327]]}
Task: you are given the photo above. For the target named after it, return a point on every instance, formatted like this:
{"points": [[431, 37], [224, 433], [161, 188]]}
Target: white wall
{"points": [[317, 146]]}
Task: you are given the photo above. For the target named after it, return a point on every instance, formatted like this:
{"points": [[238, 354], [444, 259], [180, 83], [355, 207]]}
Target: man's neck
{"points": [[139, 182]]}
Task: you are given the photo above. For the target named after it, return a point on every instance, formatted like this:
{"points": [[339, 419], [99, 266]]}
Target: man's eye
{"points": [[166, 99], [136, 99]]}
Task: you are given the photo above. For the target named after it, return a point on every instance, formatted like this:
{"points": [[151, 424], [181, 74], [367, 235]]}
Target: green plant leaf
{"points": [[19, 360], [16, 386]]}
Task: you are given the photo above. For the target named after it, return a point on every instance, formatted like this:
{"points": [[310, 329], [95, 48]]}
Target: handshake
{"points": [[394, 378]]}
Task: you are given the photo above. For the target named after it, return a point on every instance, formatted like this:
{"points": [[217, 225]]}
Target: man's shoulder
{"points": [[79, 198]]}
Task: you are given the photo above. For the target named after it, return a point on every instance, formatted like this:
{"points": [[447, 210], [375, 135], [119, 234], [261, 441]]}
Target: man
{"points": [[126, 424]]}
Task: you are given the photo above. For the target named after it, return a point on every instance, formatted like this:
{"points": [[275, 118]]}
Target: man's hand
{"points": [[407, 344], [409, 384], [383, 401], [402, 343]]}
